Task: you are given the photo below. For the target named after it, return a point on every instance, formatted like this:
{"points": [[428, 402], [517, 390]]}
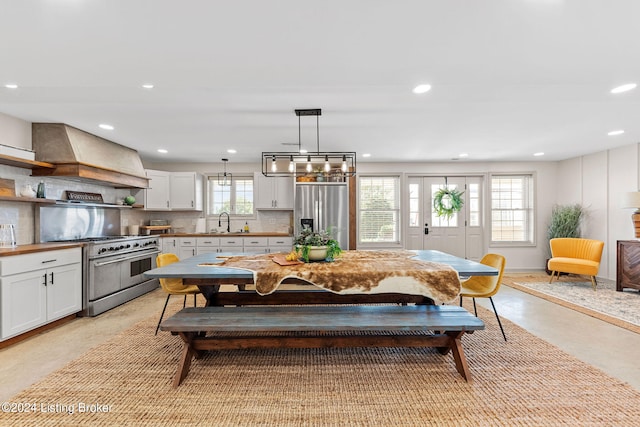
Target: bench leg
{"points": [[185, 360], [458, 354]]}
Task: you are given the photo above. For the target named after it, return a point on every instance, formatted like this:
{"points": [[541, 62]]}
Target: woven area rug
{"points": [[525, 381], [618, 308]]}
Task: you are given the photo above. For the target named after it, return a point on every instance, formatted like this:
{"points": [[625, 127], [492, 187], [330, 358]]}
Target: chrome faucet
{"points": [[228, 221]]}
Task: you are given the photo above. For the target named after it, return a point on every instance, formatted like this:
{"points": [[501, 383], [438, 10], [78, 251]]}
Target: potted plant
{"points": [[447, 201], [316, 245], [565, 222]]}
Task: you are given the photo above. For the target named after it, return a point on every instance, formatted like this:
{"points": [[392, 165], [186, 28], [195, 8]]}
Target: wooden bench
{"points": [[449, 324]]}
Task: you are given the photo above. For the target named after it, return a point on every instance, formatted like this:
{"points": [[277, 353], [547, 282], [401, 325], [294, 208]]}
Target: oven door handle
{"points": [[138, 255]]}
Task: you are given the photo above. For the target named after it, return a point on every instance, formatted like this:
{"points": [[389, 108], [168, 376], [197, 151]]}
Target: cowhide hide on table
{"points": [[352, 272]]}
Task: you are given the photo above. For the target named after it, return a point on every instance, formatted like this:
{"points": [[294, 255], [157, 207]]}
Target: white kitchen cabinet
{"points": [[185, 191], [173, 191], [273, 192], [280, 244], [256, 245], [38, 288], [231, 244], [206, 245], [169, 245], [187, 247], [156, 197]]}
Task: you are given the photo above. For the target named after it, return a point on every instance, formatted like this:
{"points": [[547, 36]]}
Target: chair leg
{"points": [[184, 303], [551, 279], [498, 317], [594, 283], [162, 314], [194, 299], [475, 310], [460, 300]]}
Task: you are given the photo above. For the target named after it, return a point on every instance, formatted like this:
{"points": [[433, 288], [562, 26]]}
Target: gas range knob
{"points": [[135, 245], [102, 250], [111, 248], [121, 247], [128, 246]]}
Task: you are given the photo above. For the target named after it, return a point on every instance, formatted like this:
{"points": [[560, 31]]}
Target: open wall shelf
{"points": [[23, 163]]}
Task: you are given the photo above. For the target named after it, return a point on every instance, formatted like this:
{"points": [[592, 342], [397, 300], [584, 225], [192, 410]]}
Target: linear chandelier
{"points": [[336, 164]]}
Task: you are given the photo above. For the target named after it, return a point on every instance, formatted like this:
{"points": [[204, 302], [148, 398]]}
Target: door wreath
{"points": [[446, 202]]}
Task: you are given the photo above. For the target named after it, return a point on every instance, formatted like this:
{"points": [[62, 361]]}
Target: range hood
{"points": [[79, 155]]}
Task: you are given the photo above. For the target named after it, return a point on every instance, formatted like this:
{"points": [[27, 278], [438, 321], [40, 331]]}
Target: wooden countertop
{"points": [[37, 247], [250, 234]]}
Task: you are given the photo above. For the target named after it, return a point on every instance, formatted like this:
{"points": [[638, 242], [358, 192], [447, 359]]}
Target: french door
{"points": [[460, 235]]}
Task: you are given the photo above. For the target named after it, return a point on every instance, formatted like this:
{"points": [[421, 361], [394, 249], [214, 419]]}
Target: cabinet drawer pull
{"points": [[49, 260], [44, 279], [51, 277]]}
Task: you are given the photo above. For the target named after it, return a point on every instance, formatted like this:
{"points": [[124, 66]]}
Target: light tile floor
{"points": [[609, 348]]}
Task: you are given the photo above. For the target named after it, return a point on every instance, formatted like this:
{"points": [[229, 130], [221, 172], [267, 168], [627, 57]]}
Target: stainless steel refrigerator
{"points": [[323, 206]]}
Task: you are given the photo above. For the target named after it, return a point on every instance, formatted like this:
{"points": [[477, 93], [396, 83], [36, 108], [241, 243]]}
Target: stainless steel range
{"points": [[113, 266], [115, 271]]}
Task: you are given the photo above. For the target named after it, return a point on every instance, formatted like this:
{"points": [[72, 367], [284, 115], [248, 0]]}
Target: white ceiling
{"points": [[509, 77]]}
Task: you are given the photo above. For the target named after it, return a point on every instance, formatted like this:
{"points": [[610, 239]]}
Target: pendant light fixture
{"points": [[225, 178], [334, 164]]}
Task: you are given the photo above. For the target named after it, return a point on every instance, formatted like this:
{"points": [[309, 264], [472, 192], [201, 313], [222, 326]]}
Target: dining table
{"points": [[360, 299], [355, 277]]}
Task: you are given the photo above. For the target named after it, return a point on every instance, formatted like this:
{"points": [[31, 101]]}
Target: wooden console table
{"points": [[628, 265]]}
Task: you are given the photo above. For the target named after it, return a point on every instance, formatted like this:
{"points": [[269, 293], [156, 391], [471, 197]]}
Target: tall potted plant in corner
{"points": [[565, 222]]}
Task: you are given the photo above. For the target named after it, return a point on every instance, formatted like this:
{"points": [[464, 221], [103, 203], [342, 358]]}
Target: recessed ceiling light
{"points": [[463, 155], [366, 155], [624, 88], [231, 151], [162, 150], [615, 132], [11, 86], [105, 126], [538, 154], [422, 89], [147, 86]]}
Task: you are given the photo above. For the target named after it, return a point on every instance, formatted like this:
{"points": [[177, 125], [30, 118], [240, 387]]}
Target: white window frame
{"points": [[397, 210], [212, 178], [529, 209]]}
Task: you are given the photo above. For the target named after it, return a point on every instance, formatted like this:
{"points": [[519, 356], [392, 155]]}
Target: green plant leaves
{"points": [[446, 202], [565, 221], [308, 238]]}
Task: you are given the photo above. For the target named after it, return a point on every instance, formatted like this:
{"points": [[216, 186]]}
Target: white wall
{"points": [[602, 178], [596, 181], [518, 258]]}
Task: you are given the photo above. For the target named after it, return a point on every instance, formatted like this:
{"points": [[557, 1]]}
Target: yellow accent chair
{"points": [[485, 286], [575, 256], [174, 286]]}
